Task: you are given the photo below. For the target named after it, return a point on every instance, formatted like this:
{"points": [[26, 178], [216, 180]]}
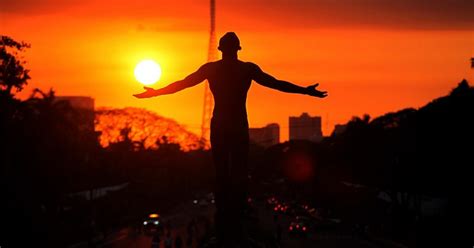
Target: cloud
{"points": [[102, 8], [395, 14], [35, 6], [399, 14], [148, 15]]}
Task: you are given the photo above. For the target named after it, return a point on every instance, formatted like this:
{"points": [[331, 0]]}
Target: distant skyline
{"points": [[372, 56]]}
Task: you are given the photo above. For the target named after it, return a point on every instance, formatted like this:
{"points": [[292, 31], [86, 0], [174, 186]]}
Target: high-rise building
{"points": [[84, 107], [265, 136], [306, 127]]}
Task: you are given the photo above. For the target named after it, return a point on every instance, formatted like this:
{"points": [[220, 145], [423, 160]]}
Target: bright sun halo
{"points": [[147, 72]]}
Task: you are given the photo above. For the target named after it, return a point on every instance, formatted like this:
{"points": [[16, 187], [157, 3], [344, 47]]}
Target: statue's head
{"points": [[229, 43]]}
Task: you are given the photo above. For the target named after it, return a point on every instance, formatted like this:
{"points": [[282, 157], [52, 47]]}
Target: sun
{"points": [[147, 72]]}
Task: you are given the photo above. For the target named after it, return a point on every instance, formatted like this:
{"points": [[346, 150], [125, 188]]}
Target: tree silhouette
{"points": [[13, 74]]}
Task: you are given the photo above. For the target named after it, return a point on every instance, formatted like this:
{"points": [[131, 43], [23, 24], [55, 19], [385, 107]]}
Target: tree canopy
{"points": [[13, 74]]}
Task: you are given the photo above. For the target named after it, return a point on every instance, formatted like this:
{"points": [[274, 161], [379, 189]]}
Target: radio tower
{"points": [[211, 56]]}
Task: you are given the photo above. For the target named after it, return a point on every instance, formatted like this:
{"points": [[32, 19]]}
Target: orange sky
{"points": [[373, 56]]}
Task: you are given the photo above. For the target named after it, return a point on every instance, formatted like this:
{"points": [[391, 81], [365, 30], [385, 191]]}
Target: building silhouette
{"points": [[339, 128], [305, 127], [265, 136], [84, 108]]}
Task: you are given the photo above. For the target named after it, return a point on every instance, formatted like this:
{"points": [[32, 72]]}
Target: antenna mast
{"points": [[211, 56]]}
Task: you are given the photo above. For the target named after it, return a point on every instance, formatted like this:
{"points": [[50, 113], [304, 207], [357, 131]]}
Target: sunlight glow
{"points": [[147, 72]]}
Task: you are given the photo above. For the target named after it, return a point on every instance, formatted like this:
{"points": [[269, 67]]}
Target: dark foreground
{"points": [[262, 227]]}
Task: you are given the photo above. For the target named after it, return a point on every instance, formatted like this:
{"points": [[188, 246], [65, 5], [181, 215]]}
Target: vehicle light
{"points": [[157, 222], [304, 228], [276, 209], [297, 226], [195, 202], [291, 228], [153, 215], [144, 222]]}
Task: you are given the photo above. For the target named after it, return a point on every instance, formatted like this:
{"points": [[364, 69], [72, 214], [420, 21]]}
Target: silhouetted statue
{"points": [[229, 80]]}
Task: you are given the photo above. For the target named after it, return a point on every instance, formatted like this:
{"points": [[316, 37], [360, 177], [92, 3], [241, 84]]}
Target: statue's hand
{"points": [[149, 92], [312, 91]]}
